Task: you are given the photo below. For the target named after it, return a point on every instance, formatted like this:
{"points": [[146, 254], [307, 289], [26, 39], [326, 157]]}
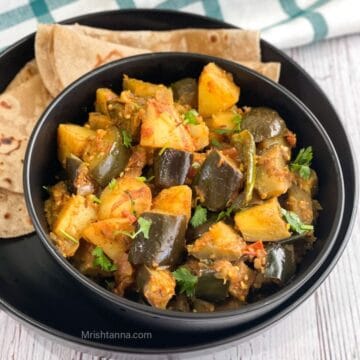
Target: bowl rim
{"points": [[147, 310]]}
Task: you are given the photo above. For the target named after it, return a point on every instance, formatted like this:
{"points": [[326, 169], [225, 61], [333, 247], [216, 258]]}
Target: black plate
{"points": [[36, 290]]}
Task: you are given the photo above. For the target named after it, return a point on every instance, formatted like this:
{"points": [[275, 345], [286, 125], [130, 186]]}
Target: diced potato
{"points": [[199, 134], [162, 127], [224, 120], [103, 95], [262, 222], [143, 88], [99, 121], [299, 201], [73, 218], [157, 285], [128, 198], [220, 242], [217, 91], [107, 234], [175, 200], [202, 306], [59, 195], [240, 277], [72, 139], [273, 177], [198, 158]]}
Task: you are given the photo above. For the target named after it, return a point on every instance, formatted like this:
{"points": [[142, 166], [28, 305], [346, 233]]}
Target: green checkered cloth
{"points": [[284, 23]]}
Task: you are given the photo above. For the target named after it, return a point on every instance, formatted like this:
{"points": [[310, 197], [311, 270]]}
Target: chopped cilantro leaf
{"points": [[144, 227], [162, 150], [237, 120], [68, 236], [185, 280], [295, 223], [215, 143], [302, 162], [102, 261], [112, 184], [190, 117], [225, 213], [95, 199], [199, 217], [126, 138], [223, 131], [144, 179], [141, 178]]}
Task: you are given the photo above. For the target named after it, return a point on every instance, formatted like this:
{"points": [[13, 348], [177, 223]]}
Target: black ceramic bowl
{"points": [[73, 104]]}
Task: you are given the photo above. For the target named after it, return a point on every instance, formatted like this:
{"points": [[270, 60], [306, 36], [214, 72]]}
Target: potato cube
{"points": [[216, 91], [262, 222]]}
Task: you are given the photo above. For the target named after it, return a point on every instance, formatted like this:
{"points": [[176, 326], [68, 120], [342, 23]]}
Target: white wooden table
{"points": [[327, 325]]}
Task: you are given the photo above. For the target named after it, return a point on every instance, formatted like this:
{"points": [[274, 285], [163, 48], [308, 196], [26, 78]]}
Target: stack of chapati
{"points": [[62, 55]]}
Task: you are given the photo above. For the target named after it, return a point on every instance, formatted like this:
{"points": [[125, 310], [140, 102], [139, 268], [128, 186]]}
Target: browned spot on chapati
{"points": [[8, 141], [8, 180], [5, 104], [106, 58], [213, 38], [7, 216]]}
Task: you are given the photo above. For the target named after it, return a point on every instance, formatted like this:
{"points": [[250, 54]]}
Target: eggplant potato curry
{"points": [[176, 197]]}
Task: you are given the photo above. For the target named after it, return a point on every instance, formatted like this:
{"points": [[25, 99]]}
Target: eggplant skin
{"points": [[109, 165], [78, 180], [217, 182], [263, 123], [280, 263], [72, 166], [211, 288], [185, 91], [171, 167], [166, 242]]}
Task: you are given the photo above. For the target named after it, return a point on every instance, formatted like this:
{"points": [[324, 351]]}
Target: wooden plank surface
{"points": [[327, 325]]}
